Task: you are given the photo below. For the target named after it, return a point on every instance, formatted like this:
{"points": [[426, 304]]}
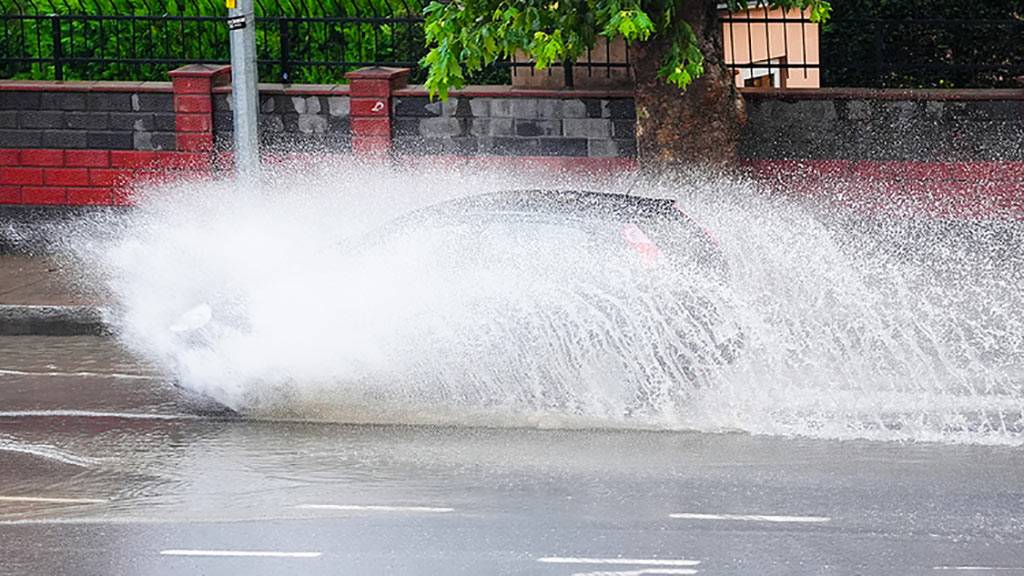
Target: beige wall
{"points": [[745, 43], [583, 77], [792, 43]]}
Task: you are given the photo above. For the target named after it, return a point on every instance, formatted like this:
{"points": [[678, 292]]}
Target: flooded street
{"points": [[471, 288], [107, 469]]}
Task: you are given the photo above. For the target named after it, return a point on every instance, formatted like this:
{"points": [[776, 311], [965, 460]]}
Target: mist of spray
{"points": [[853, 328]]}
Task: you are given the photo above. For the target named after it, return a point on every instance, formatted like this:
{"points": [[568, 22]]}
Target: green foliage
{"points": [[924, 44], [464, 36], [315, 31]]}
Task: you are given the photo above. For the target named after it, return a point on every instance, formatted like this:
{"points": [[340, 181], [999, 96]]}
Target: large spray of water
{"points": [[854, 327]]}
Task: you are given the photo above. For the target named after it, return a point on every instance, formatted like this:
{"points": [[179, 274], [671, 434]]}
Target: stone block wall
{"points": [[517, 124], [92, 117], [95, 142], [92, 143], [850, 124], [291, 120], [950, 153]]}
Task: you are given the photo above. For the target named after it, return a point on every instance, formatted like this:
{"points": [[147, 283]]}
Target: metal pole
{"points": [[244, 92], [58, 48]]}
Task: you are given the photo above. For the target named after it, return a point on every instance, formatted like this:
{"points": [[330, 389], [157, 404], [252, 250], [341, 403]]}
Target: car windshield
{"points": [[489, 239], [653, 230]]}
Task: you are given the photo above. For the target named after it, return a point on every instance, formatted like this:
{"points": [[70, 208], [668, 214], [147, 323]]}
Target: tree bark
{"points": [[700, 126]]}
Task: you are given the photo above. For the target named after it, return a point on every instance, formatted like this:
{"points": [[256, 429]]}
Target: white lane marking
{"points": [[93, 414], [641, 572], [48, 452], [118, 520], [372, 508], [47, 500], [619, 561], [981, 568], [114, 375], [241, 553], [750, 517]]}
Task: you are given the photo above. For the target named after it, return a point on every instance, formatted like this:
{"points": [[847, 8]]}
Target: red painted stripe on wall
{"points": [[87, 158], [965, 190], [90, 177], [960, 189]]}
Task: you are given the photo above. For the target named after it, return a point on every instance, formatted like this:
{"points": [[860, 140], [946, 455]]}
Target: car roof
{"points": [[563, 205], [574, 203]]}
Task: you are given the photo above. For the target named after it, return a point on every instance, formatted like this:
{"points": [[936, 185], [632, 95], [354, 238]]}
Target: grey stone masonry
{"points": [[928, 125], [108, 120], [515, 125], [291, 122]]}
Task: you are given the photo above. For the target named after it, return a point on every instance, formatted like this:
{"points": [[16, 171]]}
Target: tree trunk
{"points": [[700, 126]]}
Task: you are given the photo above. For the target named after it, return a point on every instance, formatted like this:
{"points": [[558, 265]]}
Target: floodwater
{"points": [[464, 414], [105, 466]]}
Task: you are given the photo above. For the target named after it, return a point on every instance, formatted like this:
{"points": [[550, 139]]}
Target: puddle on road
{"points": [[218, 470], [159, 461]]}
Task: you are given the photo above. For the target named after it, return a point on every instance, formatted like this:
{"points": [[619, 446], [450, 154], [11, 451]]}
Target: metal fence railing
{"points": [[777, 48], [297, 40], [307, 41], [924, 52], [317, 41]]}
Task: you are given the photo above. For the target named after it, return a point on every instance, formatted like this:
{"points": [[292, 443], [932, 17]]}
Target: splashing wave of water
{"points": [[854, 327]]}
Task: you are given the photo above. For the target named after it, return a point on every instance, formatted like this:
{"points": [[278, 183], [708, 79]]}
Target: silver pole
{"points": [[244, 91]]}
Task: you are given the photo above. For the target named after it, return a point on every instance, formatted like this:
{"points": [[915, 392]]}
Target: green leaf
{"points": [[632, 24]]}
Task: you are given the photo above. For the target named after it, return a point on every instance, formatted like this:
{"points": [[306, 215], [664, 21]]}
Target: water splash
{"points": [[854, 327]]}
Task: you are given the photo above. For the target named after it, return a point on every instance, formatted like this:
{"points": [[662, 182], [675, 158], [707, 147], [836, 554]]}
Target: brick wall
{"points": [[485, 121], [517, 123], [292, 118], [42, 176], [88, 115], [950, 152], [885, 125], [92, 142]]}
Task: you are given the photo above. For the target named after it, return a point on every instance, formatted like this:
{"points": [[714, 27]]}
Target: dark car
{"points": [[653, 228], [505, 263]]}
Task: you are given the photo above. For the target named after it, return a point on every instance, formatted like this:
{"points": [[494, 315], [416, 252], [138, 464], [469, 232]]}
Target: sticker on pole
{"points": [[230, 4], [236, 22]]}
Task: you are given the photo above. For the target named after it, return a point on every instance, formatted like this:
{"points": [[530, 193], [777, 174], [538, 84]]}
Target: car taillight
{"points": [[641, 244]]}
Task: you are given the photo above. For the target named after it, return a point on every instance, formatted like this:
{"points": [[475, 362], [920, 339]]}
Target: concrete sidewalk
{"points": [[38, 281], [39, 297]]}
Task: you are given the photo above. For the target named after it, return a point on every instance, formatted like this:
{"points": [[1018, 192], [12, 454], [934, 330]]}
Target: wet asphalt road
{"points": [[105, 469]]}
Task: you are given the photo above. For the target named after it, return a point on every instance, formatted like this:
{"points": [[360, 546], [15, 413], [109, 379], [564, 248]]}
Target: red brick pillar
{"points": [[193, 104], [370, 108]]}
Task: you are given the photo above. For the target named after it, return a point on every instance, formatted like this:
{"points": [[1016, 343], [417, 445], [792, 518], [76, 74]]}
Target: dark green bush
{"points": [[142, 39], [923, 43], [889, 43]]}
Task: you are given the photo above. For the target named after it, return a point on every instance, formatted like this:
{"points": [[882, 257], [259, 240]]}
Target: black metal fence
{"points": [[300, 41], [297, 40], [924, 52], [317, 41], [776, 48]]}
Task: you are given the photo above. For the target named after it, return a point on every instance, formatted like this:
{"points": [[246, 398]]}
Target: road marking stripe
{"points": [[48, 452], [241, 553], [372, 508], [46, 500], [619, 561], [114, 375], [750, 517], [642, 572], [981, 568], [93, 414]]}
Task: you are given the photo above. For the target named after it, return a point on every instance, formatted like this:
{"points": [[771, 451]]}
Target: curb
{"points": [[28, 320], [36, 229]]}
